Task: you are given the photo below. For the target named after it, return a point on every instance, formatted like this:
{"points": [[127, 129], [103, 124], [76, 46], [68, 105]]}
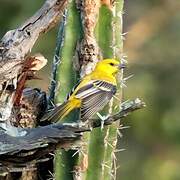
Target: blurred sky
{"points": [[152, 45]]}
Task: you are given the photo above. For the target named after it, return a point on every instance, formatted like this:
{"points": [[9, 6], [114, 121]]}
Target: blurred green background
{"points": [[152, 45]]}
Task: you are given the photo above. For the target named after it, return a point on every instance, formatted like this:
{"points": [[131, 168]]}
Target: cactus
{"points": [[66, 77], [98, 159]]}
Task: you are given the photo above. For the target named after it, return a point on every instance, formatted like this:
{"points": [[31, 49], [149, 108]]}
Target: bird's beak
{"points": [[122, 66]]}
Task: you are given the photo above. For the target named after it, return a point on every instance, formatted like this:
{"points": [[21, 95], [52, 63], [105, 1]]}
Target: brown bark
{"points": [[88, 50]]}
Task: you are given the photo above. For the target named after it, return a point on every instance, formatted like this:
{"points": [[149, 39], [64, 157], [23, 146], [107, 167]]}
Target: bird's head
{"points": [[110, 66]]}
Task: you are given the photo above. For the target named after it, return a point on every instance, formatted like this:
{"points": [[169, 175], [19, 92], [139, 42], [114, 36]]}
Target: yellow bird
{"points": [[91, 94]]}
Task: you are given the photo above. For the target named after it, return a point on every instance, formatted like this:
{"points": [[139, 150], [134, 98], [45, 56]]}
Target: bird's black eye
{"points": [[112, 64]]}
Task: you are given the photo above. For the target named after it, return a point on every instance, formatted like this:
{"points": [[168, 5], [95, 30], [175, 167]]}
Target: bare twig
{"points": [[62, 135], [126, 108]]}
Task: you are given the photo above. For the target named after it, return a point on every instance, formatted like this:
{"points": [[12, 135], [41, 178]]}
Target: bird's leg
{"points": [[102, 118]]}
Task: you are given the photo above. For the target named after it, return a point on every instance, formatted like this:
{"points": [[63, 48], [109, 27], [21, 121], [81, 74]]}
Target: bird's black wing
{"points": [[94, 96]]}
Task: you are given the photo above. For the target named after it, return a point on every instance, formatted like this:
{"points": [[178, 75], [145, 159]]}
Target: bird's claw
{"points": [[102, 118]]}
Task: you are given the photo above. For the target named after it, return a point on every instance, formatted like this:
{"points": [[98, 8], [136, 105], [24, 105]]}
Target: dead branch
{"points": [[35, 143], [126, 109], [17, 43]]}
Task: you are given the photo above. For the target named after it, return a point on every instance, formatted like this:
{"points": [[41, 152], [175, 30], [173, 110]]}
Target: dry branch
{"points": [[17, 43], [38, 142]]}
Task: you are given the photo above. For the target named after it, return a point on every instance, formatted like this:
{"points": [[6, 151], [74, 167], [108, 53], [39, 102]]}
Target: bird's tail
{"points": [[58, 112]]}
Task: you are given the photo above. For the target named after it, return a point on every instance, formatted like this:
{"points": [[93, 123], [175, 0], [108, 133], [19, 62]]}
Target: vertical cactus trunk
{"points": [[66, 77], [101, 38], [102, 147]]}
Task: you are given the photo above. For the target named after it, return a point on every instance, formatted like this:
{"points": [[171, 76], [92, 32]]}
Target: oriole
{"points": [[91, 94]]}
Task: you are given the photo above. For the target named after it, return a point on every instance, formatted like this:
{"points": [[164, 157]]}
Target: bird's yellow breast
{"points": [[103, 76]]}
